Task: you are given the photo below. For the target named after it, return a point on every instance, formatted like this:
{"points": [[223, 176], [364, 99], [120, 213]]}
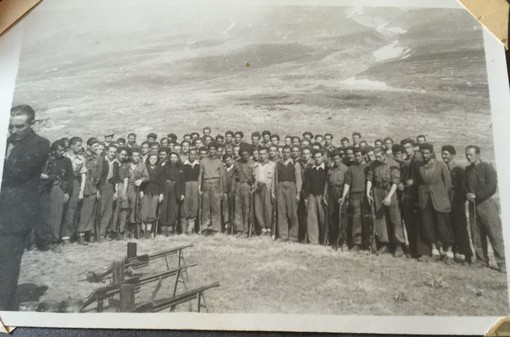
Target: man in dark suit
{"points": [[434, 185], [19, 197]]}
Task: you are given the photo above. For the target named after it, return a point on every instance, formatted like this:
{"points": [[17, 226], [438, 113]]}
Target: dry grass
{"points": [[258, 275], [147, 81]]}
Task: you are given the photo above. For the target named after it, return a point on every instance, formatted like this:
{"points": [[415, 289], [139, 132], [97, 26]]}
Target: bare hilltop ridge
{"points": [[382, 71]]}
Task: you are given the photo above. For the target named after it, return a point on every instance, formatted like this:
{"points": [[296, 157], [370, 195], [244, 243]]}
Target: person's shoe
{"points": [[398, 251], [81, 240], [435, 255], [449, 258], [382, 250], [460, 258], [99, 239], [502, 268], [148, 235], [442, 253], [423, 258]]}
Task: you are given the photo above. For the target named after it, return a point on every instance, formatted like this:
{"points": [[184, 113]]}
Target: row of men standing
{"points": [[298, 197]]}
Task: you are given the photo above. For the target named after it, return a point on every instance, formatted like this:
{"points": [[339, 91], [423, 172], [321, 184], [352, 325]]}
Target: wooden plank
{"points": [[118, 272], [131, 250], [127, 297]]}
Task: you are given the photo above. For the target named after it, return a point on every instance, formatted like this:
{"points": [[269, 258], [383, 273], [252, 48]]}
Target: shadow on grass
{"points": [[29, 292]]}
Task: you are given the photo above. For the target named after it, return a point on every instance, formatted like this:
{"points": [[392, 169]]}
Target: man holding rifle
{"points": [[384, 177], [355, 179], [243, 176], [481, 183], [335, 184]]}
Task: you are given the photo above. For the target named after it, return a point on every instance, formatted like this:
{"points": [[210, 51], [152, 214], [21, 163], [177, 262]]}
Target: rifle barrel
{"points": [[111, 290], [173, 301]]}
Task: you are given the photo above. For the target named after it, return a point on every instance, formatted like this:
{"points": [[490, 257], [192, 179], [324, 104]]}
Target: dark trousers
{"points": [[356, 210], [87, 211], [169, 207], [459, 225], [488, 225], [71, 212], [412, 220], [388, 224], [287, 211], [127, 208], [11, 251], [242, 207], [436, 226], [106, 209], [211, 205], [227, 210], [301, 214], [47, 230], [336, 230]]}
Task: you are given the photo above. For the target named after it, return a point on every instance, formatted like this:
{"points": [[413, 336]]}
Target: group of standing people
{"points": [[389, 197]]}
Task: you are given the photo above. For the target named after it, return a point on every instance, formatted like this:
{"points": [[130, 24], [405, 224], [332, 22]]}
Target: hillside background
{"points": [[165, 68]]}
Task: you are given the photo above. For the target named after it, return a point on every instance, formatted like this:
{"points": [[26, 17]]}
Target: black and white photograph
{"points": [[252, 158]]}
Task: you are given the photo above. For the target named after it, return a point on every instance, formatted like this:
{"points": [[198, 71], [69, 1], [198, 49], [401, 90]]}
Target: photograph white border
{"points": [[10, 46]]}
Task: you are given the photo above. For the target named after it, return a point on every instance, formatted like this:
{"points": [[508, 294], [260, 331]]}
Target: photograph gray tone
{"points": [[252, 243]]}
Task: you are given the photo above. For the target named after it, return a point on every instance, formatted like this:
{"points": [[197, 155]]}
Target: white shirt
{"points": [[322, 166]]}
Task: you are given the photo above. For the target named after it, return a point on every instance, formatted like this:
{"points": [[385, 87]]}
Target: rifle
{"points": [[199, 213], [252, 216], [472, 224], [373, 244], [326, 222], [136, 262], [138, 219], [339, 231], [231, 210], [156, 223], [275, 215], [45, 182]]}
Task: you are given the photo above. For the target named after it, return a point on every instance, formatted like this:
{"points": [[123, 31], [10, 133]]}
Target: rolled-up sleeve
{"points": [[395, 174]]}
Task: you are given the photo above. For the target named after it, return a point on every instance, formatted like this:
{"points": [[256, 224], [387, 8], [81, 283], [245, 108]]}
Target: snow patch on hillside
{"points": [[391, 51], [365, 84]]}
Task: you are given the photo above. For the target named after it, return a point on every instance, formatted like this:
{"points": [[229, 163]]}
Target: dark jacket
{"points": [[60, 174], [156, 183], [19, 194], [434, 181], [482, 180], [175, 173], [315, 181], [105, 170], [94, 164]]}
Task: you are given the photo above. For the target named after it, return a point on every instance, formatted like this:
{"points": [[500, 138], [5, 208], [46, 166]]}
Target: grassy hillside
{"points": [[258, 275], [282, 68]]}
